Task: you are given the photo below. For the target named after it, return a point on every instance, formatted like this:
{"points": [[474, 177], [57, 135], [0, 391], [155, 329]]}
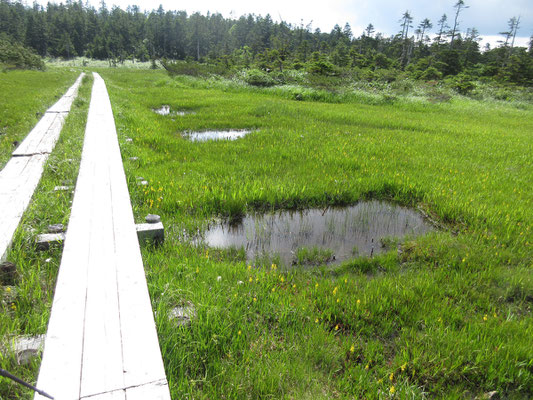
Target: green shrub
{"points": [[16, 56], [256, 77], [431, 74], [192, 68], [322, 67], [462, 84]]}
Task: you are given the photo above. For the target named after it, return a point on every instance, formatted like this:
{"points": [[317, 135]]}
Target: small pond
{"points": [[216, 135], [329, 235], [166, 110]]}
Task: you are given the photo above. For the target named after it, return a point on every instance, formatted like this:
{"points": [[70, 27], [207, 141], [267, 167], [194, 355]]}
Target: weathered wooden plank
{"points": [[44, 135], [49, 140], [18, 180], [33, 138], [65, 102], [153, 391], [61, 364], [116, 395], [142, 356], [102, 369]]}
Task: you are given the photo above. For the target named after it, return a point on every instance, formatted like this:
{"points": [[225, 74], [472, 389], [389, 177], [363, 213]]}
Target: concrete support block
{"points": [[43, 241], [151, 232]]}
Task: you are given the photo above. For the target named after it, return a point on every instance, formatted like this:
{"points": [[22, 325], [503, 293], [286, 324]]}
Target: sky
{"points": [[489, 16]]}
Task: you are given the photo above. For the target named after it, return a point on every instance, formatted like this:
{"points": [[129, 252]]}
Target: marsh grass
{"points": [[25, 306], [448, 315], [313, 256]]}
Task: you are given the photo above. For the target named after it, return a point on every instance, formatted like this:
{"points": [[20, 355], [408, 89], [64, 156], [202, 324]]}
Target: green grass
{"points": [[448, 317], [25, 306], [24, 97]]}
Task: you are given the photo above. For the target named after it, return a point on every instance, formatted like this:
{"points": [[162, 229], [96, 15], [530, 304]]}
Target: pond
{"points": [[216, 135], [317, 236], [166, 110]]}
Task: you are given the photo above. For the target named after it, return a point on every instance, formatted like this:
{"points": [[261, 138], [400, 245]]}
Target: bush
{"points": [[462, 84], [322, 67], [16, 56], [431, 74], [256, 77], [192, 68]]}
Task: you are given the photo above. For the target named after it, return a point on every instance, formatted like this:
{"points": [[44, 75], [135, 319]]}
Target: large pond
{"points": [[320, 235]]}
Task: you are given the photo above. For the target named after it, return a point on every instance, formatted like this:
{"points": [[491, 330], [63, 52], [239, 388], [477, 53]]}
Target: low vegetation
{"points": [[446, 315]]}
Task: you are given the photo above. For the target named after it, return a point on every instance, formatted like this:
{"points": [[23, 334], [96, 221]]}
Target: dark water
{"points": [[348, 232], [216, 135], [165, 110]]}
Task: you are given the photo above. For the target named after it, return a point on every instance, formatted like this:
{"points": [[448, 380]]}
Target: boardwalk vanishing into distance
{"points": [[101, 341], [21, 175]]}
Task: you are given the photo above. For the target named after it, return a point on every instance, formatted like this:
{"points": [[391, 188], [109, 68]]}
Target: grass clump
{"points": [[313, 256]]}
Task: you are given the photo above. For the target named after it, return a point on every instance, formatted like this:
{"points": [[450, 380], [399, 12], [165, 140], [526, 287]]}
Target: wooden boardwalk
{"points": [[21, 175], [101, 341]]}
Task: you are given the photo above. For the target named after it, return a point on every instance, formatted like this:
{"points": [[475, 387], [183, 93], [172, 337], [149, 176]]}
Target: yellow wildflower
{"points": [[391, 377], [403, 367], [238, 333], [251, 279], [392, 390], [485, 317], [352, 349], [335, 290]]}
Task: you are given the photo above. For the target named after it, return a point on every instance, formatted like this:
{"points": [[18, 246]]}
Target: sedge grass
{"points": [[447, 317]]}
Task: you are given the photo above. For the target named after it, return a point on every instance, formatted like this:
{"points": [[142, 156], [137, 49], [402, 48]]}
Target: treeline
{"points": [[425, 49]]}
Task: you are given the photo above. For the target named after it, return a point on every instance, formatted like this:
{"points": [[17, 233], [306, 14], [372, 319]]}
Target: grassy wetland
{"points": [[448, 316], [445, 315]]}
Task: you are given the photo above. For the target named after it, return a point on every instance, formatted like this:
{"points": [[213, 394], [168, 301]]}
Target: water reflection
{"points": [[216, 135], [166, 110], [349, 231]]}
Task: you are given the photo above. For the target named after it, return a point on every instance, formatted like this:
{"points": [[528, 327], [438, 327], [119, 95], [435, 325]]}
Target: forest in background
{"points": [[422, 49]]}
